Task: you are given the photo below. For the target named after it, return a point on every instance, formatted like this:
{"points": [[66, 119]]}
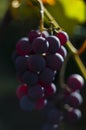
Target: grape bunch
{"points": [[72, 97], [38, 59]]}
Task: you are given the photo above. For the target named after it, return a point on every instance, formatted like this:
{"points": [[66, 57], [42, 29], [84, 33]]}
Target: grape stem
{"points": [[62, 72], [42, 15], [69, 45]]}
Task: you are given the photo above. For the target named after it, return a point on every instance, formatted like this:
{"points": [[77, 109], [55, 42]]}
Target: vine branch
{"points": [[69, 45], [42, 15]]}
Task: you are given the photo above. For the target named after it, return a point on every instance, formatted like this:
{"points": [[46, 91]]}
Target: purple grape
{"points": [[23, 47], [74, 99], [54, 44], [54, 116], [30, 78], [47, 76], [49, 89], [62, 51], [26, 104], [36, 92], [63, 37], [40, 45], [40, 104], [36, 63], [21, 63], [75, 82], [54, 61], [49, 106], [49, 126], [22, 90], [73, 115], [34, 34]]}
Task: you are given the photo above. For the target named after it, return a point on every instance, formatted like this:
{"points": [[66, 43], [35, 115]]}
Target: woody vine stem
{"points": [[69, 45], [42, 15]]}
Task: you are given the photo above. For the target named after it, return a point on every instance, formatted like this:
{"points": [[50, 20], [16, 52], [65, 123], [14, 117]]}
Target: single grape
{"points": [[54, 44], [47, 76], [23, 47], [74, 99], [36, 92], [36, 63], [75, 82], [73, 115], [34, 34], [26, 104], [62, 51], [40, 45], [63, 37], [21, 63], [54, 116], [22, 90], [49, 89], [48, 126], [54, 61], [30, 78], [40, 104]]}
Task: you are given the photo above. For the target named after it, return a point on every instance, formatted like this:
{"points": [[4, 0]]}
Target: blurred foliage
{"points": [[74, 9], [14, 24]]}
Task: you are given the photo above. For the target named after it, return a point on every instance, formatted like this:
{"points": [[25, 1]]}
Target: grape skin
{"points": [[47, 75], [26, 104], [30, 78], [40, 45], [54, 116], [73, 115], [75, 82], [74, 99], [50, 89], [22, 90], [41, 103], [23, 47], [63, 37], [33, 35], [54, 44], [54, 61], [21, 63], [62, 51], [36, 92], [36, 63]]}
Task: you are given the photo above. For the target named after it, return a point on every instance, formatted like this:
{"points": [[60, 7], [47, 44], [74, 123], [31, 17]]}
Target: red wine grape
{"points": [[40, 45], [26, 104], [36, 92], [75, 82], [36, 63], [54, 44], [30, 78], [23, 47], [63, 37], [54, 61], [47, 75], [22, 90]]}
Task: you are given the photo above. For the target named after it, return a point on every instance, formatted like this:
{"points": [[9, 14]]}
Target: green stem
{"points": [[69, 45], [42, 15]]}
